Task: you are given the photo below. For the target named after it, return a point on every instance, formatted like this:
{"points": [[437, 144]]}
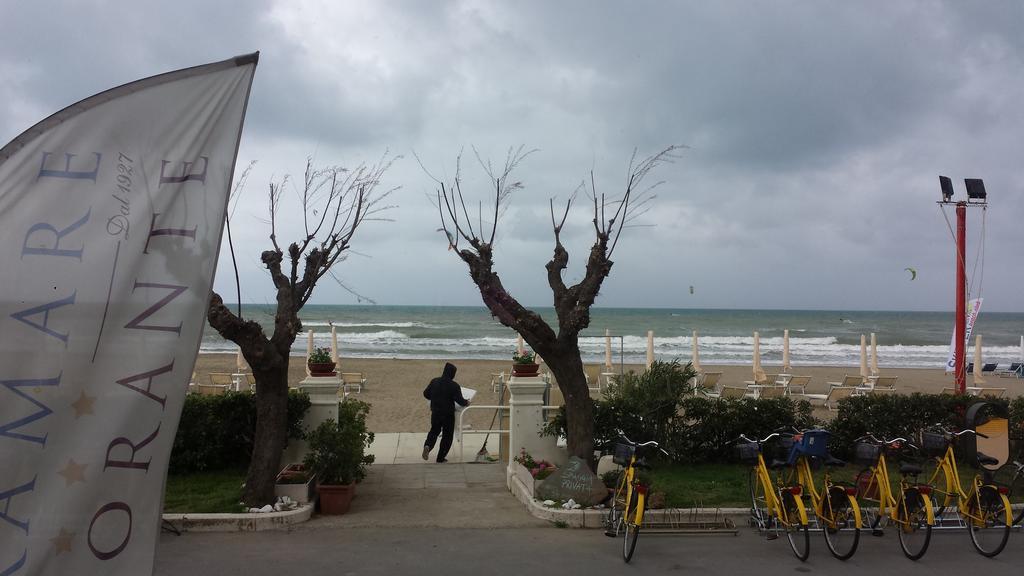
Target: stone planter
{"points": [[301, 493]]}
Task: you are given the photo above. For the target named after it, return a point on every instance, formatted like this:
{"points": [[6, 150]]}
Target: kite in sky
{"points": [[913, 273]]}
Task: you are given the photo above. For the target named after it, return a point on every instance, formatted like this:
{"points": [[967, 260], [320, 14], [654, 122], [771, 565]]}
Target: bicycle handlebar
{"points": [[642, 444], [961, 433]]}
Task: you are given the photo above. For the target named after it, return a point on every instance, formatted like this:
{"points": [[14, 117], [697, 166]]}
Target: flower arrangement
{"points": [[320, 356], [526, 357], [539, 469]]}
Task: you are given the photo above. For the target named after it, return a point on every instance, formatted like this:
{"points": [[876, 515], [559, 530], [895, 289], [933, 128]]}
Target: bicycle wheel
{"points": [[914, 530], [989, 523], [1016, 495], [796, 529], [631, 528], [613, 519], [758, 501], [839, 523]]}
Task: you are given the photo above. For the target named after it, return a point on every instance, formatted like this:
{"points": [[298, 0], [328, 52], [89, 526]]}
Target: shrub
{"points": [[337, 450], [643, 406], [216, 432]]}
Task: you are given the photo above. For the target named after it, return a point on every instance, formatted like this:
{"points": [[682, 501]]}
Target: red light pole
{"points": [[976, 196], [961, 299]]}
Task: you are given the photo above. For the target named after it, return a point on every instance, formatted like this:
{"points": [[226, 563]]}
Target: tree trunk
{"points": [[269, 363], [271, 435], [567, 368]]}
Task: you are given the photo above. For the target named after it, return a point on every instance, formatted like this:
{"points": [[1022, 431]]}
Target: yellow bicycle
{"points": [[983, 508], [835, 506], [774, 504], [629, 502], [912, 511]]}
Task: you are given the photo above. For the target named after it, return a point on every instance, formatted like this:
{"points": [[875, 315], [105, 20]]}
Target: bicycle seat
{"points": [[776, 463], [909, 468], [986, 460]]}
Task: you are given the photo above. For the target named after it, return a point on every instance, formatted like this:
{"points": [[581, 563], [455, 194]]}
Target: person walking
{"points": [[443, 392]]}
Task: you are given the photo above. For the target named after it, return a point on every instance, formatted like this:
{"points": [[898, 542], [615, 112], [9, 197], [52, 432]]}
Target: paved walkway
{"points": [[450, 495], [407, 447]]}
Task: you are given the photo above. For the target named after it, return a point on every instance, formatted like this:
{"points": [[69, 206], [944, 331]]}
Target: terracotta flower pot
{"points": [[322, 368], [525, 369], [336, 499]]}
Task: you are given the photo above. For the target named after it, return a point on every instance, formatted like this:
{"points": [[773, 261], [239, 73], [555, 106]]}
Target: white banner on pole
{"points": [[973, 307], [112, 212]]}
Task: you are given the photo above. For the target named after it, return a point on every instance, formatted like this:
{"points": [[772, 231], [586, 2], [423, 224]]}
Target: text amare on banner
{"points": [[112, 211]]}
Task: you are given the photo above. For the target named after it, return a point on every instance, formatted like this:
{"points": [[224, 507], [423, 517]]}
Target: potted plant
{"points": [[337, 455], [294, 482], [320, 363], [525, 364]]}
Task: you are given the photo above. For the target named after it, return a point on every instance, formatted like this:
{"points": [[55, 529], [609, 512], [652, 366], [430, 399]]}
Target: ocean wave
{"points": [[318, 323]]}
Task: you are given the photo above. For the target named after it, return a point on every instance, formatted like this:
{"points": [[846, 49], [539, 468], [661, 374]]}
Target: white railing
{"points": [[459, 431]]}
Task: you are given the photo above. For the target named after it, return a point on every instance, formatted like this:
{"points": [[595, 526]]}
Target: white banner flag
{"points": [[112, 212], [973, 308]]}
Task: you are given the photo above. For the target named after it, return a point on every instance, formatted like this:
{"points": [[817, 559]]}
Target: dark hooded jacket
{"points": [[443, 392]]}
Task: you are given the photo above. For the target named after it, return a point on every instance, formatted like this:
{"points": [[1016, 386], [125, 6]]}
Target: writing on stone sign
{"points": [[575, 481], [576, 477]]}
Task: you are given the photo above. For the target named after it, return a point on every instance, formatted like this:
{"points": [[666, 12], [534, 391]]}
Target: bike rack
{"points": [[689, 522]]}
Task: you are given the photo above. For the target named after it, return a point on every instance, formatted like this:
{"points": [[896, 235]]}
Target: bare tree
{"points": [[475, 246], [335, 203]]}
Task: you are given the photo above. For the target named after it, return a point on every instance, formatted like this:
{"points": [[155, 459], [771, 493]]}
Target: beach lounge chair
{"points": [[970, 367], [887, 383], [211, 389], [798, 384], [1015, 369], [771, 392], [221, 379], [707, 384], [832, 398], [350, 380], [989, 368], [733, 392], [497, 381], [848, 382]]}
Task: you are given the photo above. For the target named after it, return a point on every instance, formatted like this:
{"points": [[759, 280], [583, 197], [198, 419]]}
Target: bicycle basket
{"points": [[623, 454], [933, 443], [866, 453], [747, 452], [784, 447], [814, 443]]}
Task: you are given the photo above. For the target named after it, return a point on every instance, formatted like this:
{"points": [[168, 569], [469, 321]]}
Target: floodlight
{"points": [[947, 188], [975, 189]]}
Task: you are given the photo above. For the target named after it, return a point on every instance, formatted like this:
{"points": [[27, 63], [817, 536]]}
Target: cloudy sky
{"points": [[816, 132]]}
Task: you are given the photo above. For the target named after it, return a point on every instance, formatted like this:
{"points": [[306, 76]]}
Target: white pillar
{"points": [[323, 400], [526, 418]]}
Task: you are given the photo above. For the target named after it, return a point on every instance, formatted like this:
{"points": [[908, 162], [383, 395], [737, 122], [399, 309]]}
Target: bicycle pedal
{"points": [[771, 536], [877, 533], [610, 534]]}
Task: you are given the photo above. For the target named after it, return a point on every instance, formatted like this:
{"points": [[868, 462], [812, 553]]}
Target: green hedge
{"points": [[216, 432], [892, 416], [658, 405]]}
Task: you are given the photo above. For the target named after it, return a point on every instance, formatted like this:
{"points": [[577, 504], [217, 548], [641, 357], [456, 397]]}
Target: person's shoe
{"points": [[426, 452], [442, 460]]}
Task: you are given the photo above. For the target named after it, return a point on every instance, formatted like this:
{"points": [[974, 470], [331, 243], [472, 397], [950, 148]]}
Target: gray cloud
{"points": [[816, 132]]}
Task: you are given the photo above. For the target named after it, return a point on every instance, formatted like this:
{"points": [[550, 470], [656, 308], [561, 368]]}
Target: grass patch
{"points": [[706, 485], [204, 492]]}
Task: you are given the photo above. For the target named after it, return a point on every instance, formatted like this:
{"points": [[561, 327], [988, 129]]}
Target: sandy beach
{"points": [[395, 387]]}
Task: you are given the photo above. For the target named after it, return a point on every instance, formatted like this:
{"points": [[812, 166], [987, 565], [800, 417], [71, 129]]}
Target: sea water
{"points": [[817, 338]]}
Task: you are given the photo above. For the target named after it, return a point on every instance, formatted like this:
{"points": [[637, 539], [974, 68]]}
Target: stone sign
{"points": [[575, 481]]}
